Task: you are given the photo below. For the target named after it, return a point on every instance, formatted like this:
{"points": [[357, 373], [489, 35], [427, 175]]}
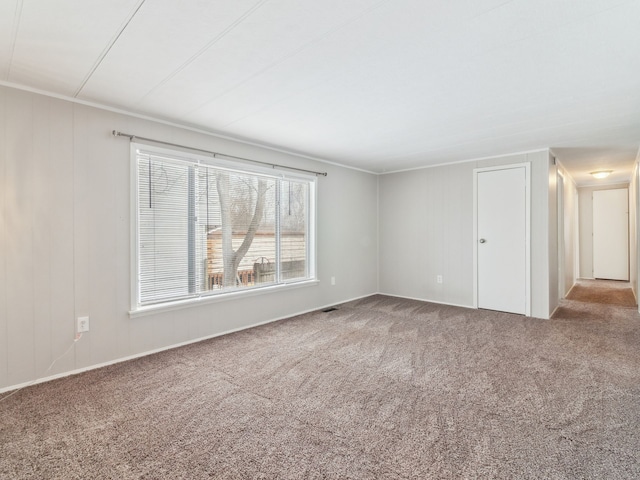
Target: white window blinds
{"points": [[206, 229]]}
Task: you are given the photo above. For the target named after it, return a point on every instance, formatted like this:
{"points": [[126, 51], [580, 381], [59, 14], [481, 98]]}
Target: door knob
{"points": [[482, 240]]}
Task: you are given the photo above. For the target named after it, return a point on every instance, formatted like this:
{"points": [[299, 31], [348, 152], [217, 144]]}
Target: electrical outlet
{"points": [[83, 324], [439, 279], [333, 280]]}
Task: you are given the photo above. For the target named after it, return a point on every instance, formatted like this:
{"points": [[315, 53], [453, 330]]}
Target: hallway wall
{"points": [[633, 230], [569, 243]]}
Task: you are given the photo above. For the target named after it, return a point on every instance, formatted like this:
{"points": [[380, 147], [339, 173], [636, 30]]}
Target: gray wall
{"points": [[569, 243], [65, 240], [585, 198], [426, 229]]}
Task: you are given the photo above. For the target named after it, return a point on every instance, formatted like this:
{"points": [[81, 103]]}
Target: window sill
{"points": [[191, 302]]}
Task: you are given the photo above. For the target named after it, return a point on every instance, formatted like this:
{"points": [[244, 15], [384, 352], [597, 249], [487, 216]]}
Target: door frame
{"points": [[476, 171], [594, 194], [561, 235]]}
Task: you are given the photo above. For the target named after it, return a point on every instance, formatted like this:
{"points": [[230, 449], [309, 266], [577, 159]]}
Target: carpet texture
{"points": [[603, 291], [379, 388]]}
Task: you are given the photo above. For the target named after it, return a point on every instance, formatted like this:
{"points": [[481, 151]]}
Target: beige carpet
{"points": [[603, 291], [380, 388]]}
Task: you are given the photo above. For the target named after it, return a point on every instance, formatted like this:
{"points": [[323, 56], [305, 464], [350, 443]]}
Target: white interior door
{"points": [[611, 234], [502, 239]]}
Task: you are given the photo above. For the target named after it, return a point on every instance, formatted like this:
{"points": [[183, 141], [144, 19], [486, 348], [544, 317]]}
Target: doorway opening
{"points": [[591, 299]]}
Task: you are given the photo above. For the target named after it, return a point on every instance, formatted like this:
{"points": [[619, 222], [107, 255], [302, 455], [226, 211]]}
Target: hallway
{"points": [[602, 300]]}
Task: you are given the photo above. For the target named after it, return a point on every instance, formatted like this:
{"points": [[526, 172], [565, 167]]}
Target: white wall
{"points": [[585, 198], [65, 240], [426, 229], [569, 243], [633, 225], [552, 238]]}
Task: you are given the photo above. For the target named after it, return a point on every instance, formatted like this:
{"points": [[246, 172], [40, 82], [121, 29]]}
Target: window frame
{"points": [[138, 309]]}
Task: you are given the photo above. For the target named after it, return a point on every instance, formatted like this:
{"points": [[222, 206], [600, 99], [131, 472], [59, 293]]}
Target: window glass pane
{"points": [[209, 227], [241, 232], [294, 207]]}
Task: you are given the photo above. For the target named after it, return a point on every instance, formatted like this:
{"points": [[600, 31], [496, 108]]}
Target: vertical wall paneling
{"points": [[570, 232], [461, 187], [60, 185], [426, 229], [346, 243], [82, 217], [4, 187], [65, 240], [585, 211], [406, 263], [42, 224], [105, 162], [19, 246], [119, 153]]}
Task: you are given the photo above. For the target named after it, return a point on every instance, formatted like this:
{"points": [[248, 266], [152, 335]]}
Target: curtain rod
{"points": [[116, 133]]}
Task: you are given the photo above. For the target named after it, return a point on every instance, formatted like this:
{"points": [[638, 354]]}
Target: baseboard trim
{"points": [[427, 300], [169, 347], [572, 287], [447, 303], [564, 297]]}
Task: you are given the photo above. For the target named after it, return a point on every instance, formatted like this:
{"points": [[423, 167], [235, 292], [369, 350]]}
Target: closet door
{"points": [[502, 239], [611, 234]]}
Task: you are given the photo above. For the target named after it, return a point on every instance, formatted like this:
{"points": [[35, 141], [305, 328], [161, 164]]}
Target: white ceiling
{"points": [[380, 85]]}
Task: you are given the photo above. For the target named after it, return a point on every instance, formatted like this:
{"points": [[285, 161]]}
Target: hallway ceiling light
{"points": [[601, 173]]}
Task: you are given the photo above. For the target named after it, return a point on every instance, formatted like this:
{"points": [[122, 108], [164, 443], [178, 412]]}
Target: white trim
{"points": [[192, 158], [636, 179], [527, 167], [378, 233], [215, 298], [565, 172], [313, 230], [243, 141], [134, 264], [177, 125], [475, 239], [606, 186], [572, 287], [561, 234], [431, 301], [444, 164], [170, 347]]}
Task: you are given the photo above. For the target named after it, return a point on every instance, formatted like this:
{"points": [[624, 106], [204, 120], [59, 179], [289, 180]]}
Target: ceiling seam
{"points": [[496, 7], [338, 27], [212, 42], [14, 34], [310, 43], [108, 49], [176, 123]]}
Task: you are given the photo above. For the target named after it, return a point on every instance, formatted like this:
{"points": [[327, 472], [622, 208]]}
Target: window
{"points": [[207, 227]]}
